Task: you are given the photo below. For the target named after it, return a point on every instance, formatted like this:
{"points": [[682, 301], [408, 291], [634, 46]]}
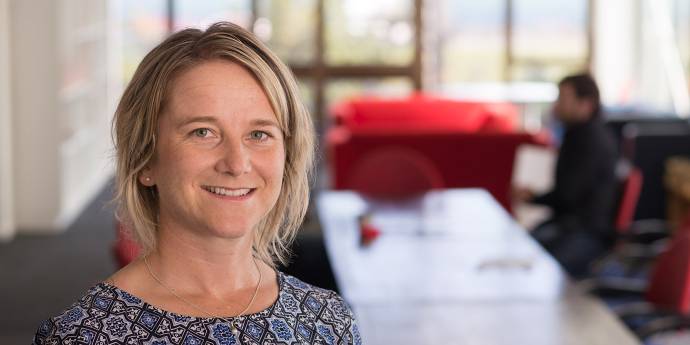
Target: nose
{"points": [[234, 158]]}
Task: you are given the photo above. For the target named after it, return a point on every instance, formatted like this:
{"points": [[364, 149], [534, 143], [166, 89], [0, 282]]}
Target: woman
{"points": [[214, 155]]}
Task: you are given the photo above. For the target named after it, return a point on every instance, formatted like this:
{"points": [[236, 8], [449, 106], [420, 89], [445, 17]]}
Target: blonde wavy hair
{"points": [[135, 127]]}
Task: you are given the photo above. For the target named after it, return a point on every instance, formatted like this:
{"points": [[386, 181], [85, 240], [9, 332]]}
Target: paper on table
{"points": [[534, 168]]}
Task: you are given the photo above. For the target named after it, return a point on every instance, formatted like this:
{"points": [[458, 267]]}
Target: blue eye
{"points": [[259, 135], [201, 132]]}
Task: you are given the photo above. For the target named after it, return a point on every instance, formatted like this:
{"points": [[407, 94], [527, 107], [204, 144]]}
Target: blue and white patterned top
{"points": [[302, 314]]}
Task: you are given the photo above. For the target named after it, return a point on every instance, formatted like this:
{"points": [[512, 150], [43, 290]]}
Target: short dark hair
{"points": [[585, 87]]}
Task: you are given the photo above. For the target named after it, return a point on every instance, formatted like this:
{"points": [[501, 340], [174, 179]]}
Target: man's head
{"points": [[578, 99]]}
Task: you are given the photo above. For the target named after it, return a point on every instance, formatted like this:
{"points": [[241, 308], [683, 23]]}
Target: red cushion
{"points": [[425, 113]]}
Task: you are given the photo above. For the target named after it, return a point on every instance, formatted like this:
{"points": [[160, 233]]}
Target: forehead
{"points": [[217, 88]]}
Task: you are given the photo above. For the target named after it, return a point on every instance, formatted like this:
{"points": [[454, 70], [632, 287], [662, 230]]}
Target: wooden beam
{"points": [[591, 26], [508, 67], [170, 13], [358, 71], [254, 15], [317, 72], [416, 68]]}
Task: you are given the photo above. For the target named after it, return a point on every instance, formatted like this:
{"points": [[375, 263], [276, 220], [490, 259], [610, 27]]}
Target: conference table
{"points": [[453, 267]]}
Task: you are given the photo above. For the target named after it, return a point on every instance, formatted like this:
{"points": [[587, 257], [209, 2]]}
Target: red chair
{"points": [[637, 243], [666, 296], [125, 250], [394, 173], [628, 200], [669, 286]]}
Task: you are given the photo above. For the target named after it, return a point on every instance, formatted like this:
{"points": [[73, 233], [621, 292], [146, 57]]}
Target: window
{"points": [[549, 39], [473, 42], [202, 13], [144, 24], [369, 32], [288, 27], [342, 89]]}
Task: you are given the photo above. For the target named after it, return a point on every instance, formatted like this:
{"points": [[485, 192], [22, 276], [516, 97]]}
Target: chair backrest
{"points": [[394, 173], [651, 146], [669, 285], [630, 194]]}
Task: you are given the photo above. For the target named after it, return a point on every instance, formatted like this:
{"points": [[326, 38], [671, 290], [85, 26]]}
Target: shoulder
{"points": [[312, 296], [76, 324], [331, 316]]}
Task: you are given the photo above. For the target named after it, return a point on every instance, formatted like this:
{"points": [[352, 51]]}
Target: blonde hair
{"points": [[136, 121]]}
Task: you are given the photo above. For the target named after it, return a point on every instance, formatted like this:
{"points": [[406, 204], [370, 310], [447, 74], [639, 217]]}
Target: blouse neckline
{"points": [[127, 298]]}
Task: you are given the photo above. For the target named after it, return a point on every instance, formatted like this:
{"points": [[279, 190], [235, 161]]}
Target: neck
{"points": [[215, 268]]}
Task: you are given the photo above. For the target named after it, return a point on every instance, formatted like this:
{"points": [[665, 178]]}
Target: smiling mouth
{"points": [[221, 191]]}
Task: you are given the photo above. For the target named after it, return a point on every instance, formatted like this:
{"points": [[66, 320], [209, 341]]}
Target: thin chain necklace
{"points": [[230, 319]]}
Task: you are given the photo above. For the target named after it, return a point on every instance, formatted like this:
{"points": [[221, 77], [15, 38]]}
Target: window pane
{"points": [[369, 32], [144, 24], [473, 43], [289, 28], [338, 90], [549, 38], [202, 13]]}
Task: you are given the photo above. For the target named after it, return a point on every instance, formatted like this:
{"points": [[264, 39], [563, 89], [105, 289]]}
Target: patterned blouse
{"points": [[302, 314]]}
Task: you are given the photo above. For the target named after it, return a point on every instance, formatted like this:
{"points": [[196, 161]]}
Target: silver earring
{"points": [[148, 179]]}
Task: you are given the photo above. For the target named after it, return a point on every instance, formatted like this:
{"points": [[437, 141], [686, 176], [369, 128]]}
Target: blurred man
{"points": [[584, 195]]}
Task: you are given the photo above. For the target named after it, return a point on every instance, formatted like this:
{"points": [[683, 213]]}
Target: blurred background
{"points": [[64, 64]]}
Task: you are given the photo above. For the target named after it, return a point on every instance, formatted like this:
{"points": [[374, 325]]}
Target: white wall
{"points": [[615, 49], [7, 228], [60, 109], [35, 122], [83, 103], [636, 60]]}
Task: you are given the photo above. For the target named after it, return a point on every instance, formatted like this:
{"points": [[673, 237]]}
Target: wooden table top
{"points": [[452, 267]]}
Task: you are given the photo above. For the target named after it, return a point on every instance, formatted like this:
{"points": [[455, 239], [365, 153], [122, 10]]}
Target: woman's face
{"points": [[220, 154]]}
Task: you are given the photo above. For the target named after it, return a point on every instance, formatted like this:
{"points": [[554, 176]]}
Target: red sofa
{"points": [[424, 113], [450, 144]]}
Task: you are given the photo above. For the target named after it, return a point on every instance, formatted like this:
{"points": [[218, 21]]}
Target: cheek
{"points": [[272, 169], [179, 164], [278, 168]]}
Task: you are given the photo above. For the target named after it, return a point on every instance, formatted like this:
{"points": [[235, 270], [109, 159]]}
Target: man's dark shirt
{"points": [[585, 188]]}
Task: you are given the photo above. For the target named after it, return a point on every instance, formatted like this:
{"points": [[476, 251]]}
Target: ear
{"points": [[146, 178]]}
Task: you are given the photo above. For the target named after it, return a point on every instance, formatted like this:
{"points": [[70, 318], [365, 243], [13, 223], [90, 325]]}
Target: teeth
{"points": [[228, 192]]}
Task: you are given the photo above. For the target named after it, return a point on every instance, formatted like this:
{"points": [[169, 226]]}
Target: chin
{"points": [[233, 231]]}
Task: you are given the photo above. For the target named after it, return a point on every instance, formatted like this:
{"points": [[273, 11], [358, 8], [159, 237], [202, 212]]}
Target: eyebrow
{"points": [[264, 122], [197, 119], [257, 122]]}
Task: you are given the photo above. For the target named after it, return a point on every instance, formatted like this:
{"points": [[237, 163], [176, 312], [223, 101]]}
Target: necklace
{"points": [[230, 319]]}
